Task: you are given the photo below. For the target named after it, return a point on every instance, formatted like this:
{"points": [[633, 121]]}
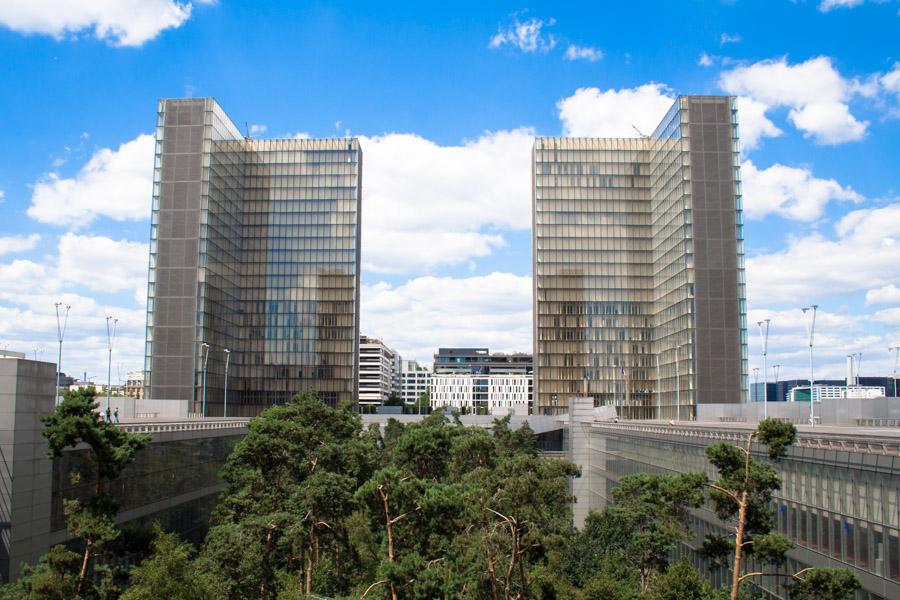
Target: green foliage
{"points": [[777, 435], [91, 520], [717, 549], [169, 573], [317, 506], [291, 483], [55, 577], [75, 421], [422, 405], [514, 441], [825, 584], [653, 511], [393, 400], [681, 582], [771, 548]]}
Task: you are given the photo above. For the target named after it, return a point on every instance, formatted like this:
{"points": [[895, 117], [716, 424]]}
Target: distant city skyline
{"points": [[446, 102]]}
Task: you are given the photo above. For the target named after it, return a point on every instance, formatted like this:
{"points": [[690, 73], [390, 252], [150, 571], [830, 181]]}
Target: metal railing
{"points": [[878, 422], [826, 441], [198, 425]]}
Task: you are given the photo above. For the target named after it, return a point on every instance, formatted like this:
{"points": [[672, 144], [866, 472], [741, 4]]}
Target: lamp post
{"points": [[811, 330], [755, 383], [764, 338], [60, 333], [858, 366], [225, 407], [205, 359], [896, 351], [110, 336]]}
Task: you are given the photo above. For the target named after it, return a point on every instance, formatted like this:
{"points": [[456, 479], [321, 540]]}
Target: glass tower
{"points": [[254, 248], [639, 297]]}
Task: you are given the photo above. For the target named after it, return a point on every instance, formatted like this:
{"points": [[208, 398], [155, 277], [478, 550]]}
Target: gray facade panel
{"points": [[717, 298]]}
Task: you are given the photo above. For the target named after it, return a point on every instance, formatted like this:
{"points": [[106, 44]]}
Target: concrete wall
{"points": [[26, 394]]}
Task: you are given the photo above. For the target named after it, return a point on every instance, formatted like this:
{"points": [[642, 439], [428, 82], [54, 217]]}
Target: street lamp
{"points": [[110, 336], [764, 338], [205, 359], [811, 330], [896, 351], [225, 407], [755, 383], [777, 370], [60, 334]]}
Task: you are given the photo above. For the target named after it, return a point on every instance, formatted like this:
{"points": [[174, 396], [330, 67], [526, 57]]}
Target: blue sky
{"points": [[446, 99]]}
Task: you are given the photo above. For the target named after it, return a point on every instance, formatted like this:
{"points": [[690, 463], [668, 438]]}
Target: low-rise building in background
{"points": [[415, 380], [376, 372]]}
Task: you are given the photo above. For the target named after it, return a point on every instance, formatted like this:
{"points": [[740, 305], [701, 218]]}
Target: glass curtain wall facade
{"points": [[638, 262], [255, 248], [593, 295], [841, 508]]}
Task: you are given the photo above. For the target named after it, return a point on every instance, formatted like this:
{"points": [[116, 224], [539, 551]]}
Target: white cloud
{"points": [[791, 192], [528, 36], [114, 183], [828, 122], [119, 22], [425, 313], [427, 205], [891, 80], [838, 334], [727, 38], [889, 294], [705, 60], [18, 243], [590, 112], [754, 123], [256, 129], [890, 83], [814, 91], [587, 53], [29, 289], [392, 251], [102, 264], [888, 316], [827, 5], [2, 196], [861, 256]]}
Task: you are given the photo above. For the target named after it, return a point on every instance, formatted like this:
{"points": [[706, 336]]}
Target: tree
{"points": [[681, 581], [90, 520], [422, 405], [825, 584], [291, 480], [393, 400], [55, 577], [743, 495], [169, 573], [653, 510]]}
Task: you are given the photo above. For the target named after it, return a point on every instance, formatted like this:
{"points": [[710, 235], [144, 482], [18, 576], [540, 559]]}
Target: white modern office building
{"points": [[415, 380], [821, 392], [484, 394], [376, 371]]}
